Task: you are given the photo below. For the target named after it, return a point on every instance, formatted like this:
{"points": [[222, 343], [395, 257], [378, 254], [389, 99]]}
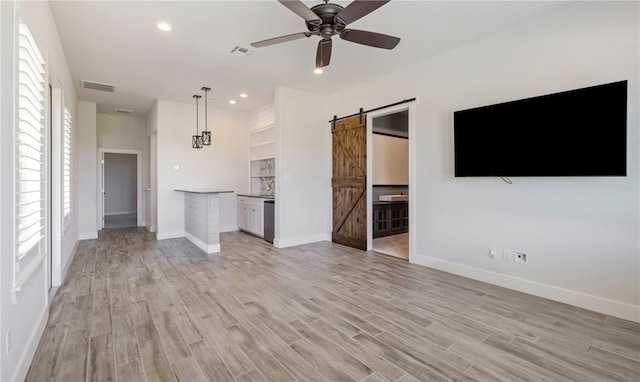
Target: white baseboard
{"points": [[88, 235], [291, 242], [152, 228], [22, 367], [120, 213], [169, 235], [582, 300], [208, 248], [228, 228]]}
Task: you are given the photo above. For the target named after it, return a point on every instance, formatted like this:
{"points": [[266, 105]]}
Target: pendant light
{"points": [[206, 134], [196, 140]]}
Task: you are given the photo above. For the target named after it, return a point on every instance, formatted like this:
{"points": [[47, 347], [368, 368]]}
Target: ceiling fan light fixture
{"points": [[318, 71]]}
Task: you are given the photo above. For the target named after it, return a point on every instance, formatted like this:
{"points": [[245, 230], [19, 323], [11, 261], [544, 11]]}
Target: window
{"points": [[30, 147], [66, 168]]}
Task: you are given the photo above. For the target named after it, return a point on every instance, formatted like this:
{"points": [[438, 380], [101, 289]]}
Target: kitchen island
{"points": [[202, 217]]}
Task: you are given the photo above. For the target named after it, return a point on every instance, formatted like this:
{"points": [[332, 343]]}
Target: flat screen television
{"points": [[580, 132]]}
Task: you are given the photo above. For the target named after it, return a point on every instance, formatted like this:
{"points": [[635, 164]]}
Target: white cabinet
{"points": [[251, 215]]}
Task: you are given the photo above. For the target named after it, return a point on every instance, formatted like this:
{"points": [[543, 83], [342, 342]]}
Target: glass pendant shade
{"points": [[206, 138], [196, 141]]}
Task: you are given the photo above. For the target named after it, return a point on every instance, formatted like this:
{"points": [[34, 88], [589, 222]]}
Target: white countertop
{"points": [[202, 190]]}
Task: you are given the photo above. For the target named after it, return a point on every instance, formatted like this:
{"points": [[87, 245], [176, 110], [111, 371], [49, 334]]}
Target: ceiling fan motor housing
{"points": [[330, 25]]}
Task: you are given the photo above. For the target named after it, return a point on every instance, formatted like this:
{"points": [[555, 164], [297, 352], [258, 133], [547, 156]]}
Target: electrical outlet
{"points": [[520, 257], [507, 254], [8, 342], [492, 252]]}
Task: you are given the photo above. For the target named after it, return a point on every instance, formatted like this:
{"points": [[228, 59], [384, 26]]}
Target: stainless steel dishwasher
{"points": [[269, 216]]}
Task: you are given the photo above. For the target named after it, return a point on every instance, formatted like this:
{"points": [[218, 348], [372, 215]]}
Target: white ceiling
{"points": [[117, 42]]}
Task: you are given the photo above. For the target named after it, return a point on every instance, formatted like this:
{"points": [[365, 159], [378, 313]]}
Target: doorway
{"points": [[120, 188], [390, 171]]}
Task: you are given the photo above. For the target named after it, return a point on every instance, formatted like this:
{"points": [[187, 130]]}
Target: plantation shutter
{"points": [[30, 150], [66, 168]]}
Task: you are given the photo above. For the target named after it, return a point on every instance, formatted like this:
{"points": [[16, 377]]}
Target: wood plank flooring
{"points": [[136, 309]]}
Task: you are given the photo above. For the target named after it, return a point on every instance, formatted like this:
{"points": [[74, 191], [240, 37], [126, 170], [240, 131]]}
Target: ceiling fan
{"points": [[326, 20]]}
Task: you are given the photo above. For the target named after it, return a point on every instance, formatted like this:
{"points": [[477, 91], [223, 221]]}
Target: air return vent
{"points": [[241, 51], [124, 111], [97, 86]]}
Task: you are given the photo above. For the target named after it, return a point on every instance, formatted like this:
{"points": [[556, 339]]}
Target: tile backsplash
{"points": [[263, 179]]}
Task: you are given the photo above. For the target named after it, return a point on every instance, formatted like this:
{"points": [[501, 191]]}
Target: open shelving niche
{"points": [[262, 148]]}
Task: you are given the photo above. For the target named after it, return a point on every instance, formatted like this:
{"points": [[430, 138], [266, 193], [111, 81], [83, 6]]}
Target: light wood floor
{"points": [[394, 245], [136, 309]]}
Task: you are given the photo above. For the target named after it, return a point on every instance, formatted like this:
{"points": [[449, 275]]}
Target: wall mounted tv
{"points": [[579, 132]]}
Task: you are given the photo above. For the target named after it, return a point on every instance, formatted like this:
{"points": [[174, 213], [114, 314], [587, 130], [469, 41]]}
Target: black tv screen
{"points": [[579, 132]]}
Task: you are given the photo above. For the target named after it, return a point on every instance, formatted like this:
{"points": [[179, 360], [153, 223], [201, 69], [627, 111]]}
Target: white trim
{"points": [[139, 187], [57, 218], [597, 304], [411, 107], [22, 367], [152, 228], [300, 240], [211, 248], [169, 235], [88, 235]]}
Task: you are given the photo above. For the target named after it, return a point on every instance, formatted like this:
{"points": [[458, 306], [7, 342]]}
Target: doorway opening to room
{"points": [[389, 184], [120, 204]]}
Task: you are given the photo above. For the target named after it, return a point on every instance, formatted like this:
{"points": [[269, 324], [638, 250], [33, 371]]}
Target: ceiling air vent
{"points": [[241, 51], [124, 111], [97, 86]]}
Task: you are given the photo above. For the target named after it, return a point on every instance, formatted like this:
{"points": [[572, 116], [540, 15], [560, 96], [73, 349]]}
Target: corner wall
{"points": [[581, 234], [303, 168], [87, 170]]}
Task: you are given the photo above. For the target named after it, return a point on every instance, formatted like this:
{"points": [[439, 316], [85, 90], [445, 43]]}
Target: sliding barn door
{"points": [[349, 182]]}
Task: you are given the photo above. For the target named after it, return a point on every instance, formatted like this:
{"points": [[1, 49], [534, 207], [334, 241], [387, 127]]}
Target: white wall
{"points": [[87, 170], [303, 168], [120, 178], [123, 132], [581, 234], [224, 165], [26, 320], [390, 160]]}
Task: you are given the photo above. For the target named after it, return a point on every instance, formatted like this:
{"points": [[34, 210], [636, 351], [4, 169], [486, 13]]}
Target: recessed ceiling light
{"points": [[318, 71], [164, 27], [233, 102], [243, 95]]}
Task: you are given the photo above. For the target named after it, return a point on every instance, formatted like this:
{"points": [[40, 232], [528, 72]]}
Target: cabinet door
{"points": [[260, 222], [253, 219], [242, 216]]}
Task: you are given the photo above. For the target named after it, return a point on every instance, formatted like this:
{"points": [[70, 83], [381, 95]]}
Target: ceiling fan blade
{"points": [[323, 56], [377, 40], [358, 9], [278, 40], [298, 7]]}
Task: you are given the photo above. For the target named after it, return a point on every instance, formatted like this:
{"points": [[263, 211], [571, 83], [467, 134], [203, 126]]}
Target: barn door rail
{"points": [[361, 112]]}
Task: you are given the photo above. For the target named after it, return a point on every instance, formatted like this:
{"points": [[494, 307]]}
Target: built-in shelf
{"points": [[263, 143], [262, 149]]}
